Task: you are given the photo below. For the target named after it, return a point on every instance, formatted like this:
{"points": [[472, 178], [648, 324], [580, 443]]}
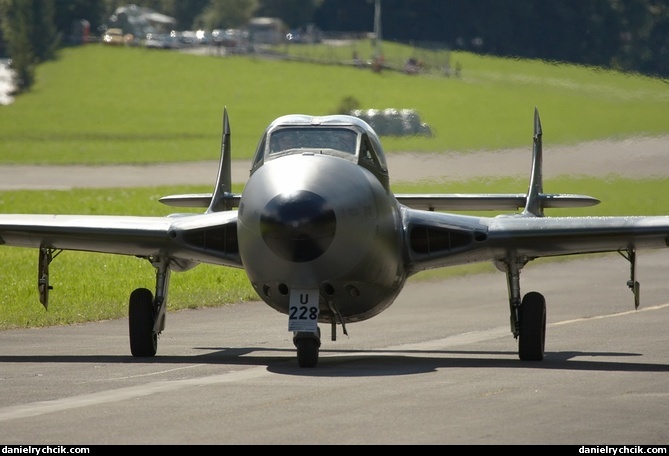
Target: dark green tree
{"points": [[30, 36], [185, 12], [348, 15], [18, 26], [294, 13], [223, 14], [46, 38], [657, 63], [70, 14]]}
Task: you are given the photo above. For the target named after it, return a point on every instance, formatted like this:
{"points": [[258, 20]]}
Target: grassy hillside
{"points": [[101, 104]]}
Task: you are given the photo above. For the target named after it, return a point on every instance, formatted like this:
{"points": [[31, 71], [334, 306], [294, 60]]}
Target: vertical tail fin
{"points": [[223, 188], [533, 204]]}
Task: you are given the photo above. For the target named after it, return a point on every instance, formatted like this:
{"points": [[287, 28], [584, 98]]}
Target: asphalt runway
{"points": [[440, 366]]}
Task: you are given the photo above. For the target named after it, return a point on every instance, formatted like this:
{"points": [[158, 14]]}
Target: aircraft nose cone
{"points": [[299, 226]]}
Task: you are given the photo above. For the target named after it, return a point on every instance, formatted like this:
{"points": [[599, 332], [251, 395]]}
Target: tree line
{"points": [[625, 35]]}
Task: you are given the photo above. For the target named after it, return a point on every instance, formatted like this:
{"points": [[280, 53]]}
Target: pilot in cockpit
{"points": [[284, 140], [347, 141]]}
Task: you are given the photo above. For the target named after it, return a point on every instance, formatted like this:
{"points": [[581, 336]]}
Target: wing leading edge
{"points": [[205, 238], [440, 239]]}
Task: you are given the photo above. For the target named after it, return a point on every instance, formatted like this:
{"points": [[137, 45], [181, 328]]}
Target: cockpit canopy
{"points": [[344, 136]]}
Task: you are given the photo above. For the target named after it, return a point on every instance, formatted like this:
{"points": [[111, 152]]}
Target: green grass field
{"points": [[131, 105], [101, 104]]}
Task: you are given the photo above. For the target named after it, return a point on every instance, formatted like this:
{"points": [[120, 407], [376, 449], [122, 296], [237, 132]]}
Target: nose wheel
{"points": [[308, 345]]}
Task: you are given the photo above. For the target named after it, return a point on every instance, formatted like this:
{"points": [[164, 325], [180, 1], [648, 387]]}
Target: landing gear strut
{"points": [[528, 317], [146, 314], [308, 345]]}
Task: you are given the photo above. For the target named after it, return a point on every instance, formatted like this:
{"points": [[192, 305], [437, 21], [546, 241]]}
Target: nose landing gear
{"points": [[308, 345]]}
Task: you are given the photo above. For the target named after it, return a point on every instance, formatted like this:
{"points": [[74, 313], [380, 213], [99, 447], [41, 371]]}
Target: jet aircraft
{"points": [[324, 240]]}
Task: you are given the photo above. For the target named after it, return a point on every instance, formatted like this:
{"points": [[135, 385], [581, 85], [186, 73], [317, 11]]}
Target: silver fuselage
{"points": [[311, 220]]}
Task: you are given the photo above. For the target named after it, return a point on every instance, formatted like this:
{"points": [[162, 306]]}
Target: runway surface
{"points": [[440, 366]]}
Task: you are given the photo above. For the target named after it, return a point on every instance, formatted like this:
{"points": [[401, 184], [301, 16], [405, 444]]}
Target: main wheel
{"points": [[143, 341], [307, 351], [532, 336]]}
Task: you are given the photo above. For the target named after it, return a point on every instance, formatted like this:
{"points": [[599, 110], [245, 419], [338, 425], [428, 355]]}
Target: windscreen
{"points": [[341, 139]]}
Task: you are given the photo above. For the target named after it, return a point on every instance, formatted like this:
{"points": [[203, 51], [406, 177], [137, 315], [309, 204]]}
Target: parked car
{"points": [[161, 41], [233, 40], [116, 37]]}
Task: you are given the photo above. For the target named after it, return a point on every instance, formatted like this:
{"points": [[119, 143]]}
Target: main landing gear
{"points": [[141, 313], [528, 316], [532, 327], [146, 314]]}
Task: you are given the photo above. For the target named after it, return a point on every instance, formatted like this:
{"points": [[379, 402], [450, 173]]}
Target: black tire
{"points": [[532, 336], [307, 351], [141, 313]]}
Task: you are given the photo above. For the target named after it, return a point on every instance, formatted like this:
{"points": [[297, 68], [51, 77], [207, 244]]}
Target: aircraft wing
{"points": [[205, 238], [441, 239]]}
